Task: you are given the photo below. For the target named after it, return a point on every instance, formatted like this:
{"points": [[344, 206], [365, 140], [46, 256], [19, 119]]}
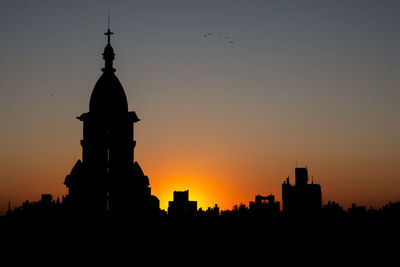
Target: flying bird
{"points": [[222, 35]]}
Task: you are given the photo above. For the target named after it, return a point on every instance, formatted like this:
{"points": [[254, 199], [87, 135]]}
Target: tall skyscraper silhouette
{"points": [[302, 198], [108, 180]]}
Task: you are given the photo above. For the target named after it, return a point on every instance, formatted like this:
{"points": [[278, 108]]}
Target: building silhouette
{"points": [[356, 210], [214, 211], [333, 209], [264, 205], [302, 198], [45, 207], [108, 180], [181, 206]]}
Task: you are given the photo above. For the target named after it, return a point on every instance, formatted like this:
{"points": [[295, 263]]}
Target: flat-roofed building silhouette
{"points": [[181, 206], [264, 205], [302, 198]]}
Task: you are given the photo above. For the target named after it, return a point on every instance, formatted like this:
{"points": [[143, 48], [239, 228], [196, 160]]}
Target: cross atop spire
{"points": [[108, 54], [108, 33]]}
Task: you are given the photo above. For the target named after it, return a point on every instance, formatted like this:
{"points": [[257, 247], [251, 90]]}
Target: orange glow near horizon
{"points": [[314, 85], [206, 191], [207, 184]]}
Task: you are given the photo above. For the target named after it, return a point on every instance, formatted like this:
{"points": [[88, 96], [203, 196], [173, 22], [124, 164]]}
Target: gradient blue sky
{"points": [[313, 83]]}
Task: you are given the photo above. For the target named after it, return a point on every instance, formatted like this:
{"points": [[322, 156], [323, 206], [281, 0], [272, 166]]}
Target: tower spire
{"points": [[108, 54], [108, 33]]}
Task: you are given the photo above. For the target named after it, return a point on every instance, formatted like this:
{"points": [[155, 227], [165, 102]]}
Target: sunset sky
{"points": [[306, 83]]}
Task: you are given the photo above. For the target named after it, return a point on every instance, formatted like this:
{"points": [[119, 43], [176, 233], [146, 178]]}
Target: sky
{"points": [[305, 83]]}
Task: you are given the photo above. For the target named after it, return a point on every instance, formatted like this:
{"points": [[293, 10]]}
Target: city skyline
{"points": [[223, 120]]}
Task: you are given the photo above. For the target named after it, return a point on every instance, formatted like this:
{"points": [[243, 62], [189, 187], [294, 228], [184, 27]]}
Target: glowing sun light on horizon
{"points": [[206, 191]]}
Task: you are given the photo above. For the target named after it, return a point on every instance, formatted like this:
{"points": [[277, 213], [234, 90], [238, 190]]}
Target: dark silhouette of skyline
{"points": [[108, 181], [314, 80], [109, 207]]}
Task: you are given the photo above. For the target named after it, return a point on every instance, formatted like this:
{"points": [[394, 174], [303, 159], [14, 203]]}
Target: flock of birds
{"points": [[220, 35]]}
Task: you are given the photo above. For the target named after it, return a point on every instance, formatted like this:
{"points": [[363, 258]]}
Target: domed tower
{"points": [[108, 180]]}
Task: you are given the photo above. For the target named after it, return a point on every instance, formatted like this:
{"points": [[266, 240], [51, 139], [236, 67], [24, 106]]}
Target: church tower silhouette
{"points": [[108, 181]]}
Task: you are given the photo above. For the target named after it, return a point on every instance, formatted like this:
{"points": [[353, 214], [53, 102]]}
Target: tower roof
{"points": [[108, 96]]}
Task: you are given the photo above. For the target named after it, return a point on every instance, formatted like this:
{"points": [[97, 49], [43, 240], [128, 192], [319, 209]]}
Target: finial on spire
{"points": [[108, 33], [108, 54]]}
